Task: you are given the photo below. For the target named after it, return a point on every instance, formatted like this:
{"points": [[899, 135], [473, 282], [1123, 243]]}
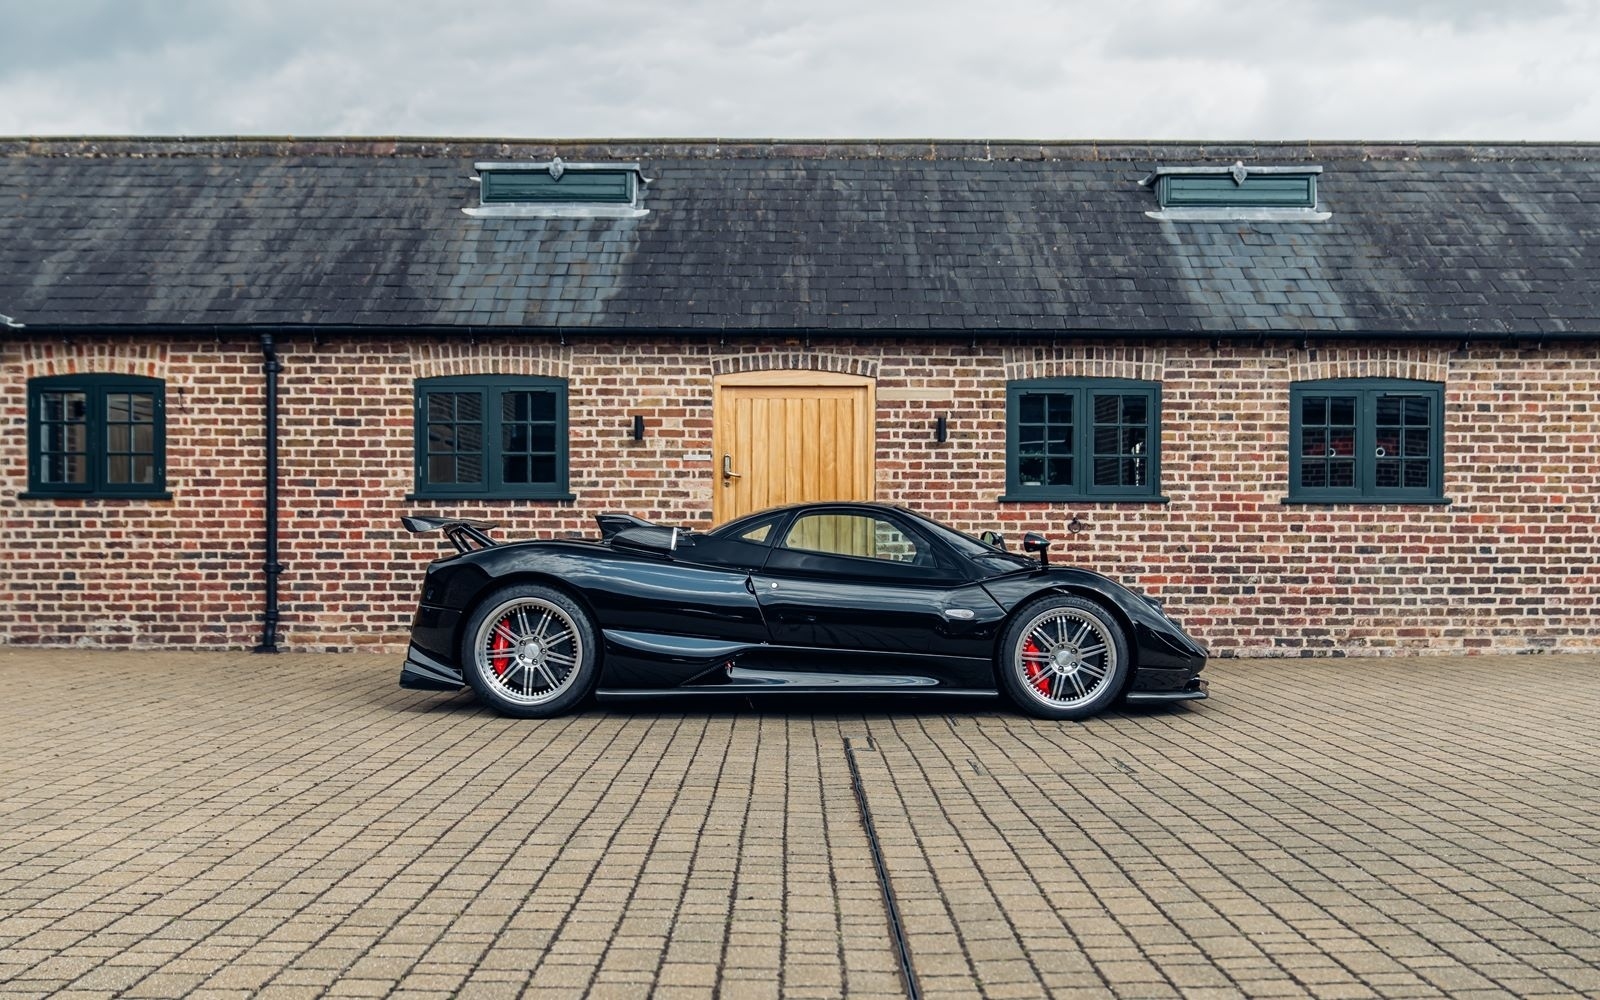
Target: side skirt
{"points": [[603, 694]]}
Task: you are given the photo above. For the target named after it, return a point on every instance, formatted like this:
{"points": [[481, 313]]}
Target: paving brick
{"points": [[1349, 829]]}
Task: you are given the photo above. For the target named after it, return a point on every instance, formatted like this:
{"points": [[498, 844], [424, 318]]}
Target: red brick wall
{"points": [[1509, 566]]}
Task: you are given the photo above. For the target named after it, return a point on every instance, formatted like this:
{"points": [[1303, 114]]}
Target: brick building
{"points": [[1320, 398]]}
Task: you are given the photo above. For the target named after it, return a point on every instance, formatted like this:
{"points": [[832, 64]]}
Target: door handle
{"points": [[727, 468]]}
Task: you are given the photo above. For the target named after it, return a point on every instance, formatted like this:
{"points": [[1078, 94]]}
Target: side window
{"points": [[491, 436], [859, 536], [96, 436], [1366, 440], [1079, 439]]}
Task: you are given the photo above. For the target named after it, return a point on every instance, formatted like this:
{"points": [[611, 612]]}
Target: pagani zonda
{"points": [[812, 598]]}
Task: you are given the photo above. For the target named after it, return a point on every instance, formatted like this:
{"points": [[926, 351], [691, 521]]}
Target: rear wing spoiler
{"points": [[465, 535]]}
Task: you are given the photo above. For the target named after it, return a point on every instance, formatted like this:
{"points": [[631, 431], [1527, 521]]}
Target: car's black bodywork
{"points": [[738, 610]]}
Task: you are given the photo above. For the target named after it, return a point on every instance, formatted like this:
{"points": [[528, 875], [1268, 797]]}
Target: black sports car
{"points": [[812, 598]]}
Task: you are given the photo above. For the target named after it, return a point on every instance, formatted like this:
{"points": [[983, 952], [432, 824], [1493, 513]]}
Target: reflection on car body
{"points": [[808, 598]]}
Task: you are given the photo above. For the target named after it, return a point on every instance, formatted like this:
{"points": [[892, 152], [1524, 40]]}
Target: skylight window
{"points": [[559, 190], [1236, 193]]}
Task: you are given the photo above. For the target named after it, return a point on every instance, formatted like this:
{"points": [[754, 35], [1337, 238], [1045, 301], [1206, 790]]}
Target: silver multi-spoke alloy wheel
{"points": [[1065, 658], [529, 650]]}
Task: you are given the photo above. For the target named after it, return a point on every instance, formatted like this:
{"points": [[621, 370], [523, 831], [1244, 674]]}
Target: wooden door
{"points": [[784, 437]]}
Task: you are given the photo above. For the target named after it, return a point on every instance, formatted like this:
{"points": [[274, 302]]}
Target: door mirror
{"points": [[993, 538], [1036, 544]]}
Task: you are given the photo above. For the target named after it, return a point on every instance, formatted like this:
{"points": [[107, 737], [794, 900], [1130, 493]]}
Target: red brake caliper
{"points": [[1036, 672], [499, 647]]}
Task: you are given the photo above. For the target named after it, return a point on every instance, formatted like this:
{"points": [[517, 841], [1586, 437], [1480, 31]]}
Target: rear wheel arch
{"points": [[497, 583]]}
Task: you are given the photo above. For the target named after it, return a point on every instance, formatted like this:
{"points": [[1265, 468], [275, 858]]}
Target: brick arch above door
{"points": [[795, 361]]}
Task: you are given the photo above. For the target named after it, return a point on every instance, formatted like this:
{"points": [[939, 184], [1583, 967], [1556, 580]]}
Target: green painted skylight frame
{"points": [[1216, 193], [557, 189]]}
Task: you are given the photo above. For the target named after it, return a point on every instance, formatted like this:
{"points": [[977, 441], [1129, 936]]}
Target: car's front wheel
{"points": [[1063, 657], [530, 651]]}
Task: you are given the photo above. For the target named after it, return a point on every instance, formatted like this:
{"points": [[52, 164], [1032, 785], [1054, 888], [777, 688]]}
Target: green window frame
{"points": [[1366, 440], [97, 435], [491, 437], [1083, 439]]}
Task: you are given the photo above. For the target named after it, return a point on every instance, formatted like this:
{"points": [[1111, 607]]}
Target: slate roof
{"points": [[892, 237]]}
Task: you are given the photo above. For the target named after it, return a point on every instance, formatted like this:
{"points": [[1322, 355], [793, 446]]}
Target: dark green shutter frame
{"points": [[1221, 191], [573, 187]]}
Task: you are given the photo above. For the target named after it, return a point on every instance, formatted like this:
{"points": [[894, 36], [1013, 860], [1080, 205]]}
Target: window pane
{"points": [[144, 470], [1059, 408], [516, 437], [1388, 473], [1342, 411], [1105, 440], [542, 469], [1107, 471], [1388, 411], [119, 437], [1417, 474], [544, 437], [1342, 474], [1314, 410], [1414, 442], [118, 469], [1313, 475], [117, 408], [1031, 409], [441, 407], [1058, 472], [144, 438], [1031, 471], [542, 406], [515, 469], [1314, 443], [1106, 409], [1416, 410], [469, 468]]}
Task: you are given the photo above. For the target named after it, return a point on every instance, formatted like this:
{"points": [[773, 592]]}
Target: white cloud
{"points": [[1461, 69]]}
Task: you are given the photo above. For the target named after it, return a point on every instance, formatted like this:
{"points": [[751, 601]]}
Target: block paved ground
{"points": [[298, 826]]}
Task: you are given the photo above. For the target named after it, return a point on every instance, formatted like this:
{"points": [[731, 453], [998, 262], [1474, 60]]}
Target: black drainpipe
{"points": [[270, 367]]}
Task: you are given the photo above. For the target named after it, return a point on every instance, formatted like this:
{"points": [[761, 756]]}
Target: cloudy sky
{"points": [[1158, 69]]}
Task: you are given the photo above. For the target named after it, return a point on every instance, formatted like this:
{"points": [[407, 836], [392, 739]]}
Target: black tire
{"points": [[1063, 658], [530, 651]]}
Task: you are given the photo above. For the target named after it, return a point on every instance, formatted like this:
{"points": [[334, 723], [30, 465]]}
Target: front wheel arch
{"points": [[1121, 620]]}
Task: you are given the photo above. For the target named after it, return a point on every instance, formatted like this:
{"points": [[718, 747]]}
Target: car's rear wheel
{"points": [[1063, 657], [530, 651]]}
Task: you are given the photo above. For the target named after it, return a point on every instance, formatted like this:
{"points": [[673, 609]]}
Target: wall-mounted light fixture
{"points": [[941, 429], [638, 427]]}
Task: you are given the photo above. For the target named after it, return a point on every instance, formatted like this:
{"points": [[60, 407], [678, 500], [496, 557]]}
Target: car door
{"points": [[865, 591]]}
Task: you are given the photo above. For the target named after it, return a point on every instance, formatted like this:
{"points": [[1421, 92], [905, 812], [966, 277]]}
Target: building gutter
{"points": [[271, 567], [1530, 338]]}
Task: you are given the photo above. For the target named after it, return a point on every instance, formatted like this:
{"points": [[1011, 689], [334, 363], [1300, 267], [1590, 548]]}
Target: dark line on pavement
{"points": [[896, 928]]}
